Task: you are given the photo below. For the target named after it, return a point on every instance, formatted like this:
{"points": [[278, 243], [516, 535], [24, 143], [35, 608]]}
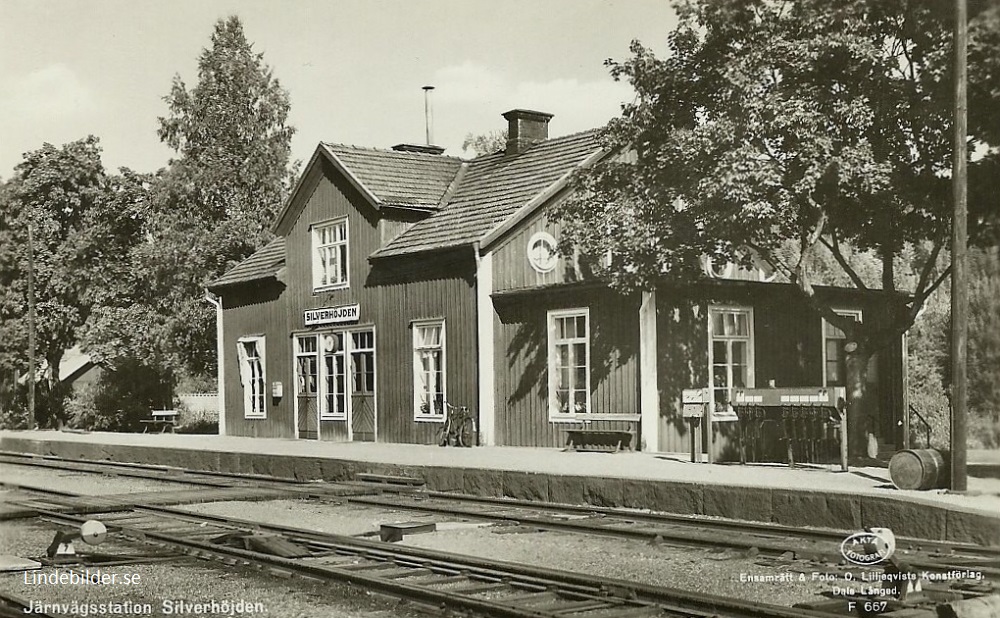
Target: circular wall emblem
{"points": [[542, 253]]}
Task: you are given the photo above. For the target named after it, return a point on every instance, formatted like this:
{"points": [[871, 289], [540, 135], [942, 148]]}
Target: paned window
{"points": [[730, 352], [429, 370], [307, 365], [363, 356], [569, 362], [834, 355], [250, 352], [332, 404], [330, 255]]}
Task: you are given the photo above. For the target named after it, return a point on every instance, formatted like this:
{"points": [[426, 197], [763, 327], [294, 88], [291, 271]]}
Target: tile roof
{"points": [[492, 190], [393, 178], [263, 264]]}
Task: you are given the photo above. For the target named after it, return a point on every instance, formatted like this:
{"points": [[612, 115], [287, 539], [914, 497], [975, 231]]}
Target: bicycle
{"points": [[459, 428]]}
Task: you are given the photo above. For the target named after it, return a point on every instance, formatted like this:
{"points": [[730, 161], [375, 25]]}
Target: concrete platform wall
{"points": [[844, 511]]}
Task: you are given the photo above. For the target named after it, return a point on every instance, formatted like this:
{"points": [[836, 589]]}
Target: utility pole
{"points": [[959, 260], [32, 419]]}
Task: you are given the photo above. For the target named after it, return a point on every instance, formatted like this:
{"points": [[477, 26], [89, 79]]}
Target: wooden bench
{"points": [[603, 440], [162, 419]]}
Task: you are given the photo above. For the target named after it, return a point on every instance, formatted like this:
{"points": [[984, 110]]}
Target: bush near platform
{"points": [[119, 399]]}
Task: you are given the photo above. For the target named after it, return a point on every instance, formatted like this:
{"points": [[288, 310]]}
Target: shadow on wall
{"points": [[682, 355], [614, 340]]}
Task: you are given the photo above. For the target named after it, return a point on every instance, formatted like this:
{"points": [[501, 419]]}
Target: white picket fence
{"points": [[199, 406]]}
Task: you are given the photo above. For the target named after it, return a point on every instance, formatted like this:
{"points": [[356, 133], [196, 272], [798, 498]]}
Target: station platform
{"points": [[820, 496]]}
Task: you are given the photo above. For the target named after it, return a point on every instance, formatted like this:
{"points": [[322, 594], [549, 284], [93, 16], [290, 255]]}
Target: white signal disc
{"points": [[93, 532]]}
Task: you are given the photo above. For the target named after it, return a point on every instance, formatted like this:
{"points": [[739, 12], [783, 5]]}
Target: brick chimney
{"points": [[524, 128]]}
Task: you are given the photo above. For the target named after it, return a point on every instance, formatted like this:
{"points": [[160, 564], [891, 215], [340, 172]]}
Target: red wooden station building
{"points": [[403, 278]]}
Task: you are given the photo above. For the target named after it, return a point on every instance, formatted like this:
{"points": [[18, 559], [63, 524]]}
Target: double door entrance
{"points": [[335, 385]]}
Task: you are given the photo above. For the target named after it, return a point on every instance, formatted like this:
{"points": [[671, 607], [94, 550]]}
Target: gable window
{"points": [[834, 355], [250, 352], [330, 253], [428, 370], [569, 362], [730, 352]]}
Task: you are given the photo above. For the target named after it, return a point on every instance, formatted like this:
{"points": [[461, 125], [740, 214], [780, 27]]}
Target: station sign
{"points": [[332, 315]]}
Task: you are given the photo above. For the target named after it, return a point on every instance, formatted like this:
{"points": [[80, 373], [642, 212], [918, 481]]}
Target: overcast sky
{"points": [[354, 68]]}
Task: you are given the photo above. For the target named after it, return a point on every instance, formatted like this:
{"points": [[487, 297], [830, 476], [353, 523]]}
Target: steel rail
{"points": [[618, 527], [13, 606], [586, 590], [147, 471], [741, 526]]}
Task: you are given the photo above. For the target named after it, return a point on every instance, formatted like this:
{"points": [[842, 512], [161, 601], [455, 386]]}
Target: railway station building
{"points": [[403, 278]]}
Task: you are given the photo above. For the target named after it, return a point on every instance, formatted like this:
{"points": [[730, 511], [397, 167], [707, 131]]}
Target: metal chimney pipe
{"points": [[428, 116]]}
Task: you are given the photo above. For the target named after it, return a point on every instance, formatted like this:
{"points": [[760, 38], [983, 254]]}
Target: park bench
{"points": [[603, 440], [164, 420]]}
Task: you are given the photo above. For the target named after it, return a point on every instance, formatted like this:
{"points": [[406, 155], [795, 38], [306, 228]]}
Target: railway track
{"points": [[441, 580], [810, 544], [768, 539], [13, 606]]}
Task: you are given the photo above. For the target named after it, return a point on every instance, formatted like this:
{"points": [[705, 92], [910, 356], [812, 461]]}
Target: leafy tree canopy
{"points": [[60, 192], [786, 129], [796, 133], [209, 209], [485, 143]]}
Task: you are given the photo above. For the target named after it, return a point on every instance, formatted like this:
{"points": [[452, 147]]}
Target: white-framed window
{"points": [[542, 254], [569, 362], [306, 365], [730, 352], [330, 254], [834, 355], [333, 371], [250, 352], [429, 370]]}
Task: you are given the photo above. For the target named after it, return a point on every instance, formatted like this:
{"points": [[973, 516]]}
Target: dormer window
{"points": [[330, 251]]}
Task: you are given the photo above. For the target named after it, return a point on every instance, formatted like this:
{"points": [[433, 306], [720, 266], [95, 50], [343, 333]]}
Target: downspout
{"points": [[220, 359]]}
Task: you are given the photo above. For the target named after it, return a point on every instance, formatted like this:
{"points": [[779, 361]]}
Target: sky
{"points": [[353, 68]]}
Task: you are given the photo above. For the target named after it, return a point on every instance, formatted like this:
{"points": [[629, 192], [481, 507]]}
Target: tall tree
{"points": [[809, 125], [57, 191], [209, 209], [485, 143]]}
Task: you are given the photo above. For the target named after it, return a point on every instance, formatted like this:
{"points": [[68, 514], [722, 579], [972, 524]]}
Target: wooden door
{"points": [[307, 386], [363, 385]]}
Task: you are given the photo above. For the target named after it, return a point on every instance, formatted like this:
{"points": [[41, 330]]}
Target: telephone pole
{"points": [[32, 419], [959, 260]]}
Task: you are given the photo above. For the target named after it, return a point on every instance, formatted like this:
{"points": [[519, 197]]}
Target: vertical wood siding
{"points": [[521, 359], [511, 269], [258, 309], [788, 349], [391, 294]]}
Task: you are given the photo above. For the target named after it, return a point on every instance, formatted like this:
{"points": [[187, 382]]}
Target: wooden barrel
{"points": [[918, 469]]}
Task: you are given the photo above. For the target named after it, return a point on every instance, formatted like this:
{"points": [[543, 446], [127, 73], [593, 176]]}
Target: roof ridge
{"points": [[545, 142], [390, 151]]}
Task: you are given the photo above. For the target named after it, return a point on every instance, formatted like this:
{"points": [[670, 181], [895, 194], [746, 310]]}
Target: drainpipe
{"points": [[220, 356]]}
